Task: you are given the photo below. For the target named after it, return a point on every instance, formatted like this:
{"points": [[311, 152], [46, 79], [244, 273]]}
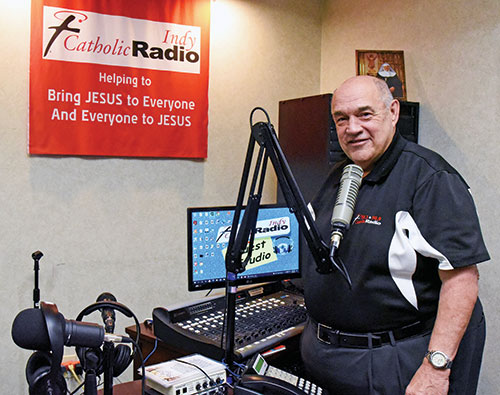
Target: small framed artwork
{"points": [[386, 65]]}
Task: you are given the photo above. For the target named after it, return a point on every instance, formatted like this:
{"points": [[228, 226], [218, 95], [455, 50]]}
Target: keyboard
{"points": [[265, 317]]}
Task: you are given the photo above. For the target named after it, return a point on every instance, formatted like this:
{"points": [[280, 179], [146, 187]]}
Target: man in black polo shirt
{"points": [[411, 322]]}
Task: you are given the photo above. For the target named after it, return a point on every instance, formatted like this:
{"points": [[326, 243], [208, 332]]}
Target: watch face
{"points": [[438, 359]]}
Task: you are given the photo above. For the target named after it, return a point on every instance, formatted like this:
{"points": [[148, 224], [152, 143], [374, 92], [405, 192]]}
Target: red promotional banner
{"points": [[119, 78]]}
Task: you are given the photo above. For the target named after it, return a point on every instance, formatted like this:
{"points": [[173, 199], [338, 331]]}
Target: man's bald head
{"points": [[365, 114], [382, 87]]}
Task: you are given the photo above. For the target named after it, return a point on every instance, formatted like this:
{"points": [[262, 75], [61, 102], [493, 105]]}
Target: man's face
{"points": [[365, 126]]}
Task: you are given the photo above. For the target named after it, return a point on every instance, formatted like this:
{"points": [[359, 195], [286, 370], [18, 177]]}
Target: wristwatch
{"points": [[439, 359]]}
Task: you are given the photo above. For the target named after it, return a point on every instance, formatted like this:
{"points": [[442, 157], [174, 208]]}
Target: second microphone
{"points": [[344, 204]]}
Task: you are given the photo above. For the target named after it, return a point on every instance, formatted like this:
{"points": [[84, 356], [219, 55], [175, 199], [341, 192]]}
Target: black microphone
{"points": [[29, 331], [344, 204], [108, 315]]}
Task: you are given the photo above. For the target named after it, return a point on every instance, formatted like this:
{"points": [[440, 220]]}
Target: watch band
{"points": [[438, 359]]}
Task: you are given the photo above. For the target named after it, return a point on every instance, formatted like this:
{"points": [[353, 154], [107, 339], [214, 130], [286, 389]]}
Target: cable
{"points": [[233, 374], [152, 351], [240, 365], [196, 366], [259, 109]]}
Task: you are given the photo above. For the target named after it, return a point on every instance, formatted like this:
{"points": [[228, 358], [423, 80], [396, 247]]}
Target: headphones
{"points": [[93, 358], [43, 369]]}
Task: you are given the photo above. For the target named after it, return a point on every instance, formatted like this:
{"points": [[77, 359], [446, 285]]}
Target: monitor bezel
{"points": [[240, 281]]}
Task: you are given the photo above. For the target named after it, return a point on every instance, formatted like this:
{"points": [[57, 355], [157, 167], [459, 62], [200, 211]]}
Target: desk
{"points": [[130, 388], [289, 359], [164, 352]]}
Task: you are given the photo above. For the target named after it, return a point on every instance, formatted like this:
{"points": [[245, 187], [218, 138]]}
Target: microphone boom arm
{"points": [[293, 197], [265, 135], [241, 238]]}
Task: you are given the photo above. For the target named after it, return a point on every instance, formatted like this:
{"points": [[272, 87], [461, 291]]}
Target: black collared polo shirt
{"points": [[414, 214]]}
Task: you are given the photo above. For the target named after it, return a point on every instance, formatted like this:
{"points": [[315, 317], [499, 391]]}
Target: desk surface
{"points": [[289, 356], [130, 388]]}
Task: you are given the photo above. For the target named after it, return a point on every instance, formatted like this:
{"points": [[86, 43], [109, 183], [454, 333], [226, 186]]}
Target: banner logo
{"points": [[89, 37]]}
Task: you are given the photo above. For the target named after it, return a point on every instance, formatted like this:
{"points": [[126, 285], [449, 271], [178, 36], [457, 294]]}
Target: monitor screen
{"points": [[275, 253]]}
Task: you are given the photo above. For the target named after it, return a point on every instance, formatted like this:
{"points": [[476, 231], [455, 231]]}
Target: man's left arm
{"points": [[457, 298]]}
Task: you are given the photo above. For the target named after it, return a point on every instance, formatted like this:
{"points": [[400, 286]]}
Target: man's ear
{"points": [[394, 109]]}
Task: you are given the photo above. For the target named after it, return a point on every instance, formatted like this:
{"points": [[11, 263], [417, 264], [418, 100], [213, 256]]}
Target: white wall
{"points": [[451, 60], [119, 225]]}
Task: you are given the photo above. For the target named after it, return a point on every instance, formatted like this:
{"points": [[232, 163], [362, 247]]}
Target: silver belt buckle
{"points": [[318, 336]]}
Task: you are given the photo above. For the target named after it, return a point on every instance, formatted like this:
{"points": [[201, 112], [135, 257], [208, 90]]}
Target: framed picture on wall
{"points": [[386, 65]]}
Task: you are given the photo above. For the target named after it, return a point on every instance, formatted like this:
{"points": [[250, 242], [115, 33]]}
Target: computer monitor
{"points": [[275, 255]]}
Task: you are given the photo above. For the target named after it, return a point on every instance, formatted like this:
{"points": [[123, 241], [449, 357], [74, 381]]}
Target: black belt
{"points": [[362, 340]]}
